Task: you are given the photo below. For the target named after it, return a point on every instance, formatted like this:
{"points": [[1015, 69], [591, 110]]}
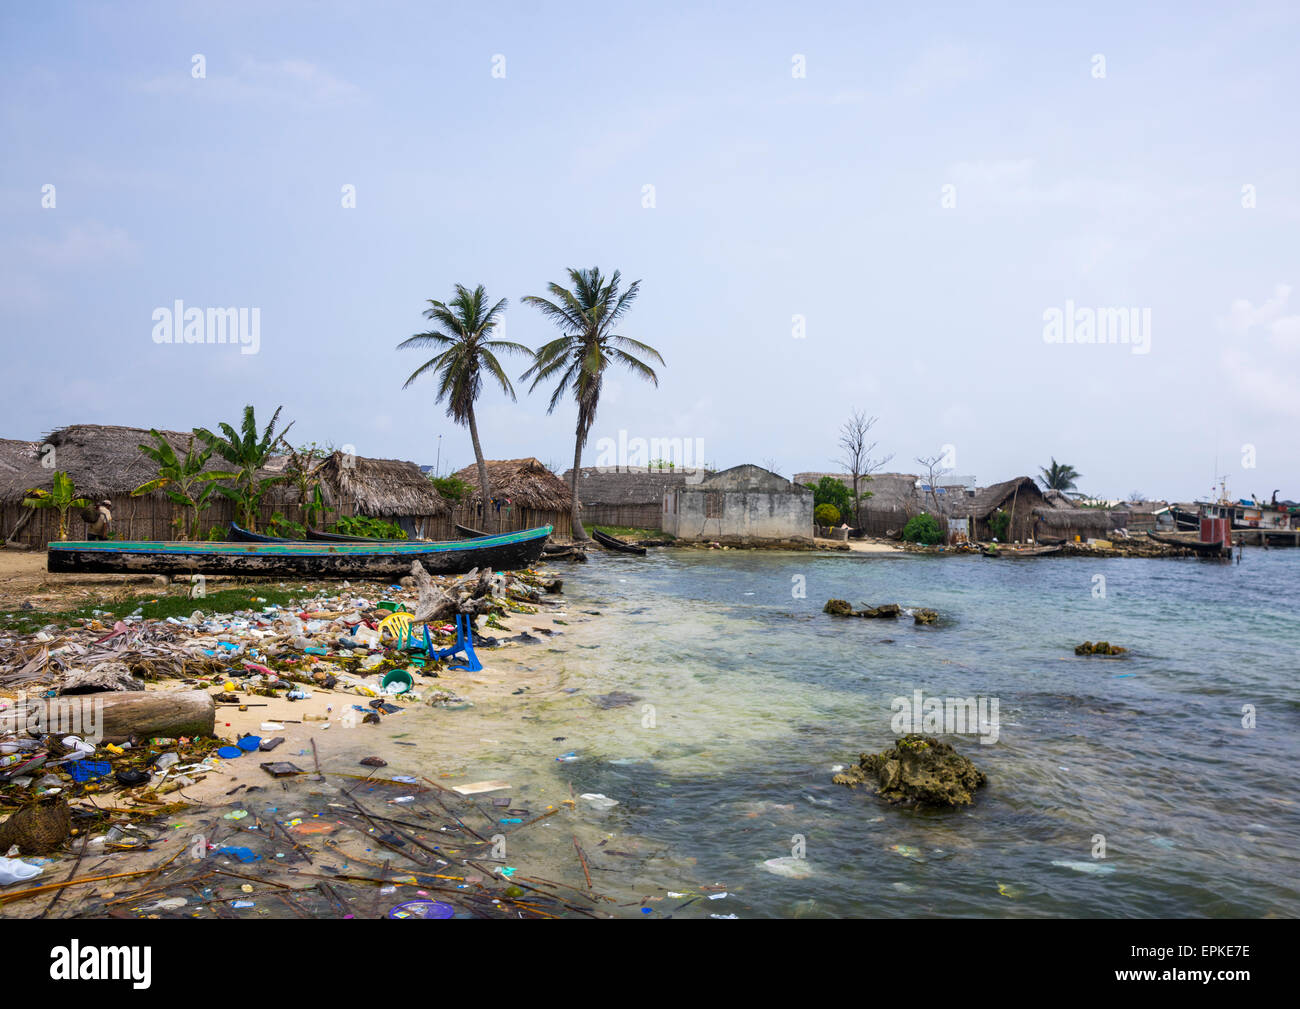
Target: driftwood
{"points": [[116, 716], [103, 677], [471, 594]]}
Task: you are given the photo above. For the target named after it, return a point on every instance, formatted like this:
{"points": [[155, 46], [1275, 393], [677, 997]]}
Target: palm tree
{"points": [[62, 496], [462, 333], [586, 316], [247, 452], [180, 478], [1059, 476]]}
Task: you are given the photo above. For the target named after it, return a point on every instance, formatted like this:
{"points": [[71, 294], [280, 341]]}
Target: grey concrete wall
{"points": [[747, 516]]}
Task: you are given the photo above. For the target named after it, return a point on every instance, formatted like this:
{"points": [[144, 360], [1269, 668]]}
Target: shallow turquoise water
{"points": [[755, 694]]}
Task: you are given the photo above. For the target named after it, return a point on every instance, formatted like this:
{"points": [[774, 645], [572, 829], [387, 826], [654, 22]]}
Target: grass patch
{"points": [[633, 533], [156, 607]]}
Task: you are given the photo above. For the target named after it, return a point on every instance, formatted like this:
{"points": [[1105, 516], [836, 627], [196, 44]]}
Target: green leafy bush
{"points": [[830, 491], [999, 521], [280, 525], [364, 525], [450, 487], [826, 515], [924, 529]]}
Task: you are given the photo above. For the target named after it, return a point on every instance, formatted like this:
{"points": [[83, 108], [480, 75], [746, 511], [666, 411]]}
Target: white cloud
{"points": [[288, 80], [1262, 360]]}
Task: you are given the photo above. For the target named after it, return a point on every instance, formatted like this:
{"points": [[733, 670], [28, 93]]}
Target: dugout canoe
{"points": [[297, 558], [610, 543]]}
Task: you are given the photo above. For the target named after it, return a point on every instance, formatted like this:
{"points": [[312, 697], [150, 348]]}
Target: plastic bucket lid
{"points": [[422, 909], [228, 752], [250, 743]]}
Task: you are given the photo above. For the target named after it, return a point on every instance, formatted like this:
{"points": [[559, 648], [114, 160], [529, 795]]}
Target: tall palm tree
{"points": [[1059, 476], [462, 331], [586, 316]]}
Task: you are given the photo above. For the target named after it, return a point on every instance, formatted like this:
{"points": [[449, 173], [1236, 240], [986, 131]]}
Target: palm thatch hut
{"points": [[1081, 523], [1018, 498], [525, 495], [104, 463], [628, 495], [386, 489]]}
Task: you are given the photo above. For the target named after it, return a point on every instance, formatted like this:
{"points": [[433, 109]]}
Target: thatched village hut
{"points": [[1077, 523], [104, 463], [893, 498], [630, 496], [385, 489], [525, 495], [1017, 498]]}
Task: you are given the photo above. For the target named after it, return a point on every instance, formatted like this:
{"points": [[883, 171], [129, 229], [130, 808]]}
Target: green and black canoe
{"points": [[376, 559]]}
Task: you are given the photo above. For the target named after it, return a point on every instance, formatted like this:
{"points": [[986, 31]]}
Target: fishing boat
{"points": [[376, 559], [238, 534], [1022, 551], [610, 543], [322, 536], [467, 532], [1215, 548]]}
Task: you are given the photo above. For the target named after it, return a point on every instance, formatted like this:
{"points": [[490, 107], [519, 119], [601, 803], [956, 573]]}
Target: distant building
{"points": [[1017, 499], [627, 495], [742, 506]]}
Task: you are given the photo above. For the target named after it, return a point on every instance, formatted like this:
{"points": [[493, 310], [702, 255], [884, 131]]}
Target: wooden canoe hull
{"points": [[611, 543], [374, 559]]}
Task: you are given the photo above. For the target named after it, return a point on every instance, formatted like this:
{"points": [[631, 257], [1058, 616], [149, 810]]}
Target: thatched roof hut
{"points": [[529, 496], [1067, 523], [526, 482], [379, 488], [1018, 497]]}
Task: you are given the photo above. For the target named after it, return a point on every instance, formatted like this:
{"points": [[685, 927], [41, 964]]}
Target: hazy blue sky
{"points": [[775, 196]]}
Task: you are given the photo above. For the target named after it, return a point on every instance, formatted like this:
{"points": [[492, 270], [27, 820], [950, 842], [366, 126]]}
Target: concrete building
{"points": [[742, 506]]}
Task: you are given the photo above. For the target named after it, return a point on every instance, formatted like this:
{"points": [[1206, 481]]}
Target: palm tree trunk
{"points": [[579, 533], [486, 491]]}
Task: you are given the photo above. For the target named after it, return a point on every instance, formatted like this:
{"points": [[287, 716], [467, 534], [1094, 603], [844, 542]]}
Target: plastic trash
{"points": [[422, 909], [14, 870], [598, 802]]}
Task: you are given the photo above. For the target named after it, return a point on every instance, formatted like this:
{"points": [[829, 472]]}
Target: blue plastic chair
{"points": [[464, 643]]}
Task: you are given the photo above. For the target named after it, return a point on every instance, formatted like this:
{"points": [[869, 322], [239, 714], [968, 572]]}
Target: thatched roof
{"points": [[526, 482], [990, 499], [102, 460], [380, 488], [1093, 521], [634, 485]]}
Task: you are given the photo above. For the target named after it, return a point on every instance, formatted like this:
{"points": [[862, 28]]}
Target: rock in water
{"points": [[1100, 648], [838, 608], [917, 770], [925, 616]]}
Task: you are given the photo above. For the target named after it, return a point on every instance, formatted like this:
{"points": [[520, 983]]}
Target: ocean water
{"points": [[747, 695]]}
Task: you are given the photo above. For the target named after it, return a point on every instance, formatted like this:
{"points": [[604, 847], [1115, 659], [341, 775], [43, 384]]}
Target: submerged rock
{"points": [[1100, 648], [886, 610], [838, 608], [917, 770], [925, 616]]}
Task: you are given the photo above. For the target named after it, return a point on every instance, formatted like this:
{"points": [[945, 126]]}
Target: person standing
{"points": [[99, 529]]}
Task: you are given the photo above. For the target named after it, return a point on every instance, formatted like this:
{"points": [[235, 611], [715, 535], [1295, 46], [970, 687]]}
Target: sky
{"points": [[905, 210]]}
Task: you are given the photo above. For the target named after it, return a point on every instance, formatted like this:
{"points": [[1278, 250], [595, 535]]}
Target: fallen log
{"points": [[115, 716], [471, 594]]}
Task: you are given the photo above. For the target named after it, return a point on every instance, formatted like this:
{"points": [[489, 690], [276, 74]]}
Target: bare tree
{"points": [[933, 470], [857, 456]]}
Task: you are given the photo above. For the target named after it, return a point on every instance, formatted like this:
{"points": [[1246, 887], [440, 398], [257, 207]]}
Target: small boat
{"points": [[374, 558], [468, 533], [324, 537], [1022, 551], [610, 543], [1213, 549], [238, 534]]}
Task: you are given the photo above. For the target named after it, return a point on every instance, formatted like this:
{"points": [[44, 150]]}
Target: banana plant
{"points": [[248, 452], [62, 496], [182, 479]]}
